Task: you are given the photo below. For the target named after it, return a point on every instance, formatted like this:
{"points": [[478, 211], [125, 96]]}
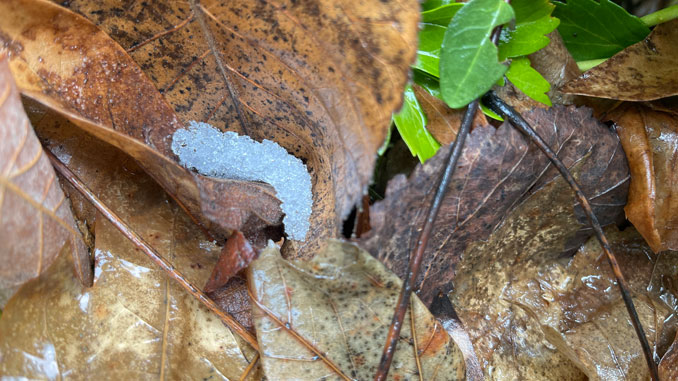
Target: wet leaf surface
{"points": [[134, 323], [341, 302], [36, 222], [644, 71], [235, 256], [497, 171], [321, 78], [650, 139], [86, 76]]}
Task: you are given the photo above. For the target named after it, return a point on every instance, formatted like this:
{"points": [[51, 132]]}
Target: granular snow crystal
{"points": [[228, 155]]}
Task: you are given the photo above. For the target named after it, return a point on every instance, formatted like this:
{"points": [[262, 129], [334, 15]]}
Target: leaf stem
{"points": [[661, 16], [500, 107], [147, 249], [415, 260]]}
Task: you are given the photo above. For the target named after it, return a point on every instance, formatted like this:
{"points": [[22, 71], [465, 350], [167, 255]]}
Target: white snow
{"points": [[228, 155]]}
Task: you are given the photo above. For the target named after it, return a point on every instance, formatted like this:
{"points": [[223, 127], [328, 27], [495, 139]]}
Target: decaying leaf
{"points": [[644, 71], [668, 367], [68, 64], [134, 322], [235, 256], [321, 78], [341, 303], [498, 170], [581, 312], [36, 222], [650, 139]]}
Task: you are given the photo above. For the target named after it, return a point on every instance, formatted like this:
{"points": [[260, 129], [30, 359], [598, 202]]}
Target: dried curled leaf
{"points": [[320, 77], [135, 322], [498, 170], [68, 64], [644, 71], [340, 303], [650, 139], [35, 217]]}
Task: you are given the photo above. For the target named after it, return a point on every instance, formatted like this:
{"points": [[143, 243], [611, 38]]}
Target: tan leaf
{"points": [[135, 322], [35, 217], [650, 140], [319, 77], [644, 71], [668, 367], [340, 304], [68, 64]]}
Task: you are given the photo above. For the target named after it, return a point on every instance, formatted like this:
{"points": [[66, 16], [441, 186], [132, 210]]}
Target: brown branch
{"points": [[506, 111], [415, 260], [140, 243]]}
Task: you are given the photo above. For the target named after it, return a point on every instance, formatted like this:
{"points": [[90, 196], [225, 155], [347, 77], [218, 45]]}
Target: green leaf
{"points": [[528, 80], [533, 22], [593, 30], [428, 52], [441, 15], [432, 4], [427, 82], [468, 59], [411, 124]]}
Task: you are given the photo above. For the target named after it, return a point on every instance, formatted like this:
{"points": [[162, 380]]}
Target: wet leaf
{"points": [[411, 123], [87, 77], [428, 50], [642, 72], [134, 322], [498, 171], [581, 312], [440, 15], [235, 256], [650, 139], [668, 367], [594, 29], [36, 222], [321, 78], [468, 61], [341, 302]]}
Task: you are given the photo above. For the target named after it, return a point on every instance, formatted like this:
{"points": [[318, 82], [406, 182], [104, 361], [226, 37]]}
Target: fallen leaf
{"points": [[321, 78], [497, 171], [644, 71], [135, 322], [87, 77], [581, 312], [341, 304], [36, 222], [668, 367], [650, 139], [235, 256]]}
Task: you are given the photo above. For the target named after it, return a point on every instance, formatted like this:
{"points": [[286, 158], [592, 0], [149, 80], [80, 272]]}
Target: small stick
{"points": [[415, 260], [147, 249], [499, 106]]}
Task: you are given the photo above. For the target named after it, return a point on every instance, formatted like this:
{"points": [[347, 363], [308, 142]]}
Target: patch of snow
{"points": [[228, 155]]}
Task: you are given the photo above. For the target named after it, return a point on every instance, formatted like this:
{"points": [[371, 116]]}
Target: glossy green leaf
{"points": [[428, 52], [430, 84], [411, 124], [528, 80], [468, 59], [533, 22], [593, 30], [432, 4], [441, 15]]}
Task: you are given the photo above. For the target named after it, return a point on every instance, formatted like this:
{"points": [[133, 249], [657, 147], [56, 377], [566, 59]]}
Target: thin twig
{"points": [[415, 345], [506, 111], [147, 249], [415, 260]]}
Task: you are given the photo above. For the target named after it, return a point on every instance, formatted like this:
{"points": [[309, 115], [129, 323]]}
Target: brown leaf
{"points": [[134, 322], [442, 121], [341, 303], [321, 78], [235, 256], [650, 139], [644, 71], [498, 170], [581, 312], [35, 218], [66, 63], [668, 367]]}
